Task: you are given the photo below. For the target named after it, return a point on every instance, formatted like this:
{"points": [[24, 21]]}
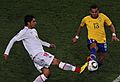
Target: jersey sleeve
{"points": [[9, 46], [41, 41], [21, 35], [44, 43], [107, 20], [82, 22], [17, 37]]}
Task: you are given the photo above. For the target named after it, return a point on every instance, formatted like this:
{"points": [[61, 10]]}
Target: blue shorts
{"points": [[102, 47]]}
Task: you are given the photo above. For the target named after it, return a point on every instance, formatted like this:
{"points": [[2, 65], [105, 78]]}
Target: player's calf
{"points": [[40, 78], [43, 77]]}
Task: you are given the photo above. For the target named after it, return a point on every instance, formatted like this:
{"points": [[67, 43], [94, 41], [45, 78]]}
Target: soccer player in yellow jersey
{"points": [[96, 33]]}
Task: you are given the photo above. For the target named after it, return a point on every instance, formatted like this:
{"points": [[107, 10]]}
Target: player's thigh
{"points": [[92, 44], [56, 61], [102, 48], [42, 70], [38, 67], [44, 59], [102, 51]]}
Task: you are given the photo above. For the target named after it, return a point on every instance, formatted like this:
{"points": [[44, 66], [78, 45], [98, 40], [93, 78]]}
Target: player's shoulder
{"points": [[86, 17], [34, 29], [24, 30], [102, 15]]}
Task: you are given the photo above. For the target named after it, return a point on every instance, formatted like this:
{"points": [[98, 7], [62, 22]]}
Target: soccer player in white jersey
{"points": [[41, 59]]}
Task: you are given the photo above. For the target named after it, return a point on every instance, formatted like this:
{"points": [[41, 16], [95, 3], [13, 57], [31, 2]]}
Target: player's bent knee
{"points": [[94, 45], [56, 61], [46, 72]]}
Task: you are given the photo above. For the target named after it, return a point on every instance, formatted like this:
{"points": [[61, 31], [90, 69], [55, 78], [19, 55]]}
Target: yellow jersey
{"points": [[95, 27]]}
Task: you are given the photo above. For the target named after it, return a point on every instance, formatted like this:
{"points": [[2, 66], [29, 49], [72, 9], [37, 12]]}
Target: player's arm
{"points": [[78, 31], [112, 28], [114, 37], [9, 46], [18, 37], [47, 44], [77, 35]]}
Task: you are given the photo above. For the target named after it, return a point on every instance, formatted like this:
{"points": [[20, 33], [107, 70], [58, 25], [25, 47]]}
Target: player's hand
{"points": [[114, 38], [5, 56], [74, 40], [52, 46]]}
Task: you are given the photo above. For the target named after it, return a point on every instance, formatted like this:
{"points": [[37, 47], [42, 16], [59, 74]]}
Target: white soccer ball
{"points": [[92, 65]]}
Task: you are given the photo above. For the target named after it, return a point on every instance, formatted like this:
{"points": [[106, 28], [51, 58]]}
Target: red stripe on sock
{"points": [[77, 70]]}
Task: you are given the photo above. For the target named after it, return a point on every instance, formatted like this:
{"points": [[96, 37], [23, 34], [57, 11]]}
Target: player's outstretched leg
{"points": [[66, 66], [101, 58], [93, 50]]}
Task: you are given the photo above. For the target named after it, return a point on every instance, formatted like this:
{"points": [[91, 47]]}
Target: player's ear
{"points": [[98, 11], [28, 23]]}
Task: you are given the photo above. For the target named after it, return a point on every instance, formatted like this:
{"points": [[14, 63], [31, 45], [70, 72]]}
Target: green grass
{"points": [[58, 21]]}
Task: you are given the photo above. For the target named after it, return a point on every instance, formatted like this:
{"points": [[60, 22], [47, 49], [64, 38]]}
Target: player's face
{"points": [[94, 13], [33, 23]]}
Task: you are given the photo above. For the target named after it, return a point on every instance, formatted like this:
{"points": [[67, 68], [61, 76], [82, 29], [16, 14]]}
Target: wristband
{"points": [[113, 34], [76, 37]]}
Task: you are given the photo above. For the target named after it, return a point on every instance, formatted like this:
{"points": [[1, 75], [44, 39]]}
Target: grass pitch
{"points": [[58, 21]]}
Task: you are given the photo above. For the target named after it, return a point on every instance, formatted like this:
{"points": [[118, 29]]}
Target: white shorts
{"points": [[42, 60]]}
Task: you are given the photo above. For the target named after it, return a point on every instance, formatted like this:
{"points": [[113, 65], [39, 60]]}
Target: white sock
{"points": [[66, 66], [40, 78]]}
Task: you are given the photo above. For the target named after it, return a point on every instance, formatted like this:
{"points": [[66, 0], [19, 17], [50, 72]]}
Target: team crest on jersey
{"points": [[99, 19]]}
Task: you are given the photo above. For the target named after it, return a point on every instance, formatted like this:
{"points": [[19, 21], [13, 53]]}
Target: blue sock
{"points": [[93, 53]]}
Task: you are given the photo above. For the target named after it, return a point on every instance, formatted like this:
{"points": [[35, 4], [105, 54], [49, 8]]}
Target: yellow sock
{"points": [[83, 67]]}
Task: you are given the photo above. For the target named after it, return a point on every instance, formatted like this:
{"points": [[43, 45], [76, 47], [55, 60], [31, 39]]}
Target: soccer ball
{"points": [[92, 65]]}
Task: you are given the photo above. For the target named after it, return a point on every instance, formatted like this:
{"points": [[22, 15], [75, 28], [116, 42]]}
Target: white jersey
{"points": [[30, 40]]}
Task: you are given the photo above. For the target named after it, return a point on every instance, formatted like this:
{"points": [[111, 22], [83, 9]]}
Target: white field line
{"points": [[117, 79]]}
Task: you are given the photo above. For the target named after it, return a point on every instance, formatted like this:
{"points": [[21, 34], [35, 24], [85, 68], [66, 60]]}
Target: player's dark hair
{"points": [[28, 18], [94, 6]]}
